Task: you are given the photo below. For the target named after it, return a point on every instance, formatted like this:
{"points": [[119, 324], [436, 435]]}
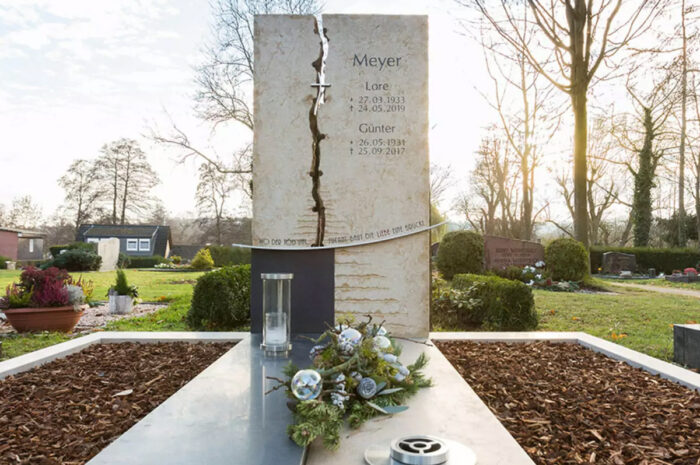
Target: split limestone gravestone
{"points": [[341, 158]]}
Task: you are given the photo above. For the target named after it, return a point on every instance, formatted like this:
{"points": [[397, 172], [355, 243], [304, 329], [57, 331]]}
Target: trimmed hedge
{"points": [[75, 260], [663, 260], [567, 260], [145, 262], [460, 252], [227, 256], [490, 302], [221, 299], [84, 246]]}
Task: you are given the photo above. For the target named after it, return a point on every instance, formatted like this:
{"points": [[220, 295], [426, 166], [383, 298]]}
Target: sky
{"points": [[76, 74]]}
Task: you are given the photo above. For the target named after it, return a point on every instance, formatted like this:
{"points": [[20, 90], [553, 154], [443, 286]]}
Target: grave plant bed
{"points": [[566, 404], [68, 410]]}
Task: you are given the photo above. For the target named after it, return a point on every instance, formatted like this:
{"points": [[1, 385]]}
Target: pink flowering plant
{"points": [[51, 287]]}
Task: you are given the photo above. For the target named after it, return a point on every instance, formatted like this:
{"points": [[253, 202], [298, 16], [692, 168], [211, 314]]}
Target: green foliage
{"points": [[123, 261], [487, 302], [75, 260], [663, 260], [3, 262], [567, 260], [342, 366], [668, 229], [221, 299], [227, 256], [460, 252], [313, 419], [84, 246], [122, 287], [202, 261], [176, 259], [136, 261]]}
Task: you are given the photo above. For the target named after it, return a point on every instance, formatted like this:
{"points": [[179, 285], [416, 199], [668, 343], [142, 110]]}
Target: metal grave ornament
{"points": [[277, 289], [420, 450]]}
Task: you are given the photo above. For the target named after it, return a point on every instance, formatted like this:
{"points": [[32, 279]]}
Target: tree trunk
{"points": [[681, 150], [643, 183], [579, 104]]}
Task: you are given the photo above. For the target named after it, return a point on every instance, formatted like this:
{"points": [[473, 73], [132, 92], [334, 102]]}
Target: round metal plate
{"points": [[380, 454]]}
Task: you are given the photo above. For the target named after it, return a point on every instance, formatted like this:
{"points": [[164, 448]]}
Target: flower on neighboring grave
{"points": [[530, 283], [539, 264]]}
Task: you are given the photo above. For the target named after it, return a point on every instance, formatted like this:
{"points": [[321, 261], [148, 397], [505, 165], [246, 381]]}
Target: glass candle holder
{"points": [[277, 297]]}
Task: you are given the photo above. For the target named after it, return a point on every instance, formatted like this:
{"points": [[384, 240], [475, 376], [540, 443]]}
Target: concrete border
{"points": [[39, 357], [636, 359]]}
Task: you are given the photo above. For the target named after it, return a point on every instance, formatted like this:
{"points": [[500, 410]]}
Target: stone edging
{"points": [[39, 357], [632, 357]]}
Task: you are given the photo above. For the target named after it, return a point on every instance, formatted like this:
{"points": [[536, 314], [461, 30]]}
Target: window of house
{"points": [[144, 244], [132, 245], [92, 240]]}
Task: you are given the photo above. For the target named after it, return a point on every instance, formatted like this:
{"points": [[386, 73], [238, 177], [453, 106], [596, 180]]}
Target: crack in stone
{"points": [[317, 136]]}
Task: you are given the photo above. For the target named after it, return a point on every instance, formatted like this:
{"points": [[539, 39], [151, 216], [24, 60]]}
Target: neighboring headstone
{"points": [[502, 252], [11, 265], [686, 345], [108, 249], [355, 170], [615, 262]]}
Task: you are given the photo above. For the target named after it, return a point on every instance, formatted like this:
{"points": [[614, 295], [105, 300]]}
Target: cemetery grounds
{"points": [[639, 319]]}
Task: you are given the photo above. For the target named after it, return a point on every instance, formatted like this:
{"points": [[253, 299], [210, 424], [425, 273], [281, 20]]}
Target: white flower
{"points": [[538, 277], [391, 358], [530, 283], [539, 264]]}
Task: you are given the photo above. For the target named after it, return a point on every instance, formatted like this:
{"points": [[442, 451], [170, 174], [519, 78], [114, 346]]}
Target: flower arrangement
{"points": [[46, 288], [355, 375]]}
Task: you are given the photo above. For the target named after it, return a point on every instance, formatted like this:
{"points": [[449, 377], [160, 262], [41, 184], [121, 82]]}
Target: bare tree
{"points": [[213, 191], [440, 181], [582, 35], [525, 112], [83, 191], [130, 178], [24, 213], [225, 79]]}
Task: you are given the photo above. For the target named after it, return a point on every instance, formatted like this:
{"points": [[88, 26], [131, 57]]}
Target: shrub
{"points": [[567, 260], [75, 260], [203, 260], [662, 260], [460, 252], [490, 302], [221, 299], [123, 261], [227, 256], [84, 246], [176, 259], [3, 262], [145, 262]]}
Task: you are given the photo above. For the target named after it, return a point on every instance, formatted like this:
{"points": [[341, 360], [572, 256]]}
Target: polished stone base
{"points": [[686, 345]]}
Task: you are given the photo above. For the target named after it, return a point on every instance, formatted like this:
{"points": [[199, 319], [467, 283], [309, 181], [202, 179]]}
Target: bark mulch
{"points": [[566, 404], [68, 410]]}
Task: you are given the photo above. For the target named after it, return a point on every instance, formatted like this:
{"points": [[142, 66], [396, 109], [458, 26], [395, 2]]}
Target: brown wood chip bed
{"points": [[566, 404], [68, 410]]}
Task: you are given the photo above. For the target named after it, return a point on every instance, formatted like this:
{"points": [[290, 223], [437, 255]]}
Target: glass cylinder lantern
{"points": [[276, 304]]}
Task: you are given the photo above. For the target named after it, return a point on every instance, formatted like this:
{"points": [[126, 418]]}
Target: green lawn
{"points": [[645, 318], [171, 286], [153, 285]]}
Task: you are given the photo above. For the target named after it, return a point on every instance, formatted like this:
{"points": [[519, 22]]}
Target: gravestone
{"points": [[108, 249], [616, 262], [686, 345], [341, 158], [502, 252]]}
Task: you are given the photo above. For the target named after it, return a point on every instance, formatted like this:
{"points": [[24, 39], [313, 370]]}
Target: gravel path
{"points": [[663, 290]]}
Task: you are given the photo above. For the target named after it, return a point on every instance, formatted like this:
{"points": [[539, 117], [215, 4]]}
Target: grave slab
{"points": [[450, 409], [221, 417]]}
